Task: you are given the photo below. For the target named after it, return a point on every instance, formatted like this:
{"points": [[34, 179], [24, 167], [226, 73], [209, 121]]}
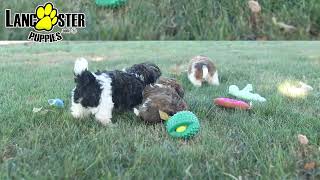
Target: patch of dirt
{"points": [[32, 62], [97, 58], [53, 53], [7, 43], [178, 69], [50, 58]]}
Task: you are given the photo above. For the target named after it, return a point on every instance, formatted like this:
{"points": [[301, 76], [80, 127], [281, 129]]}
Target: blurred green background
{"points": [[181, 20]]}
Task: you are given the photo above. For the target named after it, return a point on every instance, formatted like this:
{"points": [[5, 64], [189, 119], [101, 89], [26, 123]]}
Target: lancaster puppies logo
{"points": [[44, 22]]}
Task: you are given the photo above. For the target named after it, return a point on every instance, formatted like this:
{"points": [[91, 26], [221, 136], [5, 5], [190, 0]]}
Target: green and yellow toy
{"points": [[183, 124], [111, 3]]}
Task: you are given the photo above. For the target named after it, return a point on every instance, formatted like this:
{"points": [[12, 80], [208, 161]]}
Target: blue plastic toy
{"points": [[56, 103]]}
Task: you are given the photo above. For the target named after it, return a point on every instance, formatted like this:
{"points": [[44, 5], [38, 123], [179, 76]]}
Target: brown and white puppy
{"points": [[172, 83], [166, 97], [201, 69]]}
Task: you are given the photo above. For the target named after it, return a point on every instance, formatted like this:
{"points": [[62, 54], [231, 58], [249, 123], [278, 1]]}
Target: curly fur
{"points": [[172, 83], [146, 72], [101, 92], [163, 97]]}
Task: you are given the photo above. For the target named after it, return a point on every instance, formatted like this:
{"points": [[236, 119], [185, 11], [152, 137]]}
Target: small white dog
{"points": [[202, 69]]}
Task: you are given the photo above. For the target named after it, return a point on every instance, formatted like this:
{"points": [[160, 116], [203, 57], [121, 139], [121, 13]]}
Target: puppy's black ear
{"points": [[84, 78], [156, 71], [87, 77]]}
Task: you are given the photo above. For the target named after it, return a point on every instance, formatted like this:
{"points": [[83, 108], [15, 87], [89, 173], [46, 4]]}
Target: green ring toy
{"points": [[110, 3], [184, 125]]}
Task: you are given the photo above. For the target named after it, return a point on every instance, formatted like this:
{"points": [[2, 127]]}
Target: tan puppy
{"points": [[202, 69]]}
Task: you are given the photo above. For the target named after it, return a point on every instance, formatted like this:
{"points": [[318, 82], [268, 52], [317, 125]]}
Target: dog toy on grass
{"points": [[56, 103], [245, 93], [294, 89], [231, 103], [110, 3], [183, 124]]}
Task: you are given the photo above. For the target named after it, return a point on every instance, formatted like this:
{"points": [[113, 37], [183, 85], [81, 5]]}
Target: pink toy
{"points": [[231, 103]]}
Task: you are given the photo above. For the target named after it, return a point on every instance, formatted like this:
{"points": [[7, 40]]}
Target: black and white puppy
{"points": [[101, 92]]}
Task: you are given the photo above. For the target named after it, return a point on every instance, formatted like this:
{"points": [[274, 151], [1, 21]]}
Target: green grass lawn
{"points": [[259, 144], [180, 19]]}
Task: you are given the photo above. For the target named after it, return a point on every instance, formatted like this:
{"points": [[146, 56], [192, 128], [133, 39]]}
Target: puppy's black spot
{"points": [[126, 90], [87, 91]]}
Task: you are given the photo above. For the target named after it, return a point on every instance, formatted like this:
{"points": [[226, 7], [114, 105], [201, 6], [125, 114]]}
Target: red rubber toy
{"points": [[231, 103]]}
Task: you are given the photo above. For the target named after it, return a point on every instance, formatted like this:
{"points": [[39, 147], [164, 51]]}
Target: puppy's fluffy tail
{"points": [[205, 72], [80, 66]]}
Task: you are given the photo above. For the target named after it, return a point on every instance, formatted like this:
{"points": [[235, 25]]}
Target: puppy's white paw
{"points": [[104, 122], [77, 111], [136, 111], [214, 80], [197, 83], [103, 119], [76, 115]]}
